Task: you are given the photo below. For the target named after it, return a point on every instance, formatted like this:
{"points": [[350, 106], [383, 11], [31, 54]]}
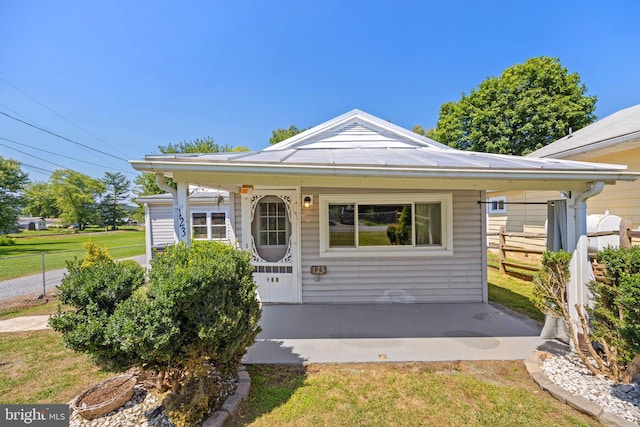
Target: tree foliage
{"points": [[146, 182], [112, 207], [529, 106], [281, 134], [76, 196], [40, 200], [12, 182]]}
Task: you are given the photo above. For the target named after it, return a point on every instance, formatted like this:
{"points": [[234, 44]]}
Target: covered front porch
{"points": [[343, 333]]}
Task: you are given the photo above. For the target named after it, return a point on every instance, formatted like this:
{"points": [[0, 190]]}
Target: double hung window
{"points": [[209, 225]]}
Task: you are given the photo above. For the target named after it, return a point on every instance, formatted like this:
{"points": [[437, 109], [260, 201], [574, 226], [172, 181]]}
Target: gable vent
{"points": [[356, 129]]}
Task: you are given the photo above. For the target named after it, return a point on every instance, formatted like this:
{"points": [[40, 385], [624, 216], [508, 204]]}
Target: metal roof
{"points": [[620, 127], [357, 143]]}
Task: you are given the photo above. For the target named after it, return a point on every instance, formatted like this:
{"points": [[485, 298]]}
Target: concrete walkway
{"points": [[24, 323], [295, 334]]}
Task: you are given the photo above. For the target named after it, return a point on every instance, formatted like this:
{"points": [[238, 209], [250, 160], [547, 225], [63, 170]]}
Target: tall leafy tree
{"points": [[529, 106], [76, 196], [112, 207], [12, 182], [281, 134], [40, 201], [146, 182]]}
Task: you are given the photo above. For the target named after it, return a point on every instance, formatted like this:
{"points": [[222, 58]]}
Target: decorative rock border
{"points": [[582, 404], [231, 405]]}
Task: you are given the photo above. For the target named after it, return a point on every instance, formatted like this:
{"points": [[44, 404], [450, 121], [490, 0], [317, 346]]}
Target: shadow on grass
{"points": [[516, 302], [271, 387]]}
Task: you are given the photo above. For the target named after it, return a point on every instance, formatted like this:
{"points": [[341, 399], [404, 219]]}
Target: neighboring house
{"points": [[359, 210], [613, 139], [210, 218]]}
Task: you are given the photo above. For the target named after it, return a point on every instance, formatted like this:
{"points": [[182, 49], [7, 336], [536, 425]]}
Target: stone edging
{"points": [[582, 404], [230, 406]]}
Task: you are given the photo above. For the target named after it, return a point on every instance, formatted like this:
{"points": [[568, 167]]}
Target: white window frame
{"points": [[446, 210], [208, 213], [497, 201]]}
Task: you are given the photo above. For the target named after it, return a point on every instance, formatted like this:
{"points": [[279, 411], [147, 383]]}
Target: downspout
{"points": [[580, 205], [161, 182], [580, 267]]}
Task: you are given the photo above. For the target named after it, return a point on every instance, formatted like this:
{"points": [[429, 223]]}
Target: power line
{"points": [[66, 157], [61, 137], [59, 115], [34, 168], [31, 155]]}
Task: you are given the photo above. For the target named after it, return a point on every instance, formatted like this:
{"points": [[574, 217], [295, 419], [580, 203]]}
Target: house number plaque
{"points": [[318, 270]]}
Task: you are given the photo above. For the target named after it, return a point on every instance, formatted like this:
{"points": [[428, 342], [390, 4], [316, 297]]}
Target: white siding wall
{"points": [[160, 226], [456, 278]]}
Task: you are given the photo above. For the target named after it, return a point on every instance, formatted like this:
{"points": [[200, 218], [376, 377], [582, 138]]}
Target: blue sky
{"points": [[126, 76]]}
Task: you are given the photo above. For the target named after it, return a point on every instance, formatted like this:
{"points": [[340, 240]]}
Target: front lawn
{"points": [[25, 257], [487, 393], [512, 293], [37, 368]]}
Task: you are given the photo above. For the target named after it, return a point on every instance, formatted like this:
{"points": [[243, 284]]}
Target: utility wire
{"points": [[34, 168], [66, 157], [35, 157], [61, 137], [60, 115]]}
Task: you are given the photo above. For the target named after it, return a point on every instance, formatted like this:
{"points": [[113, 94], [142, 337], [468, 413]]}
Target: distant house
{"points": [[613, 139], [32, 223], [359, 210], [210, 218]]}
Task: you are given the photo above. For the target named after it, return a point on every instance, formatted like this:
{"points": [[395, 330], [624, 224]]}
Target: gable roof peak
{"points": [[356, 128]]}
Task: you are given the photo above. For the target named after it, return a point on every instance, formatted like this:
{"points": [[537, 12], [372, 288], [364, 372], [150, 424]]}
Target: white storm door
{"points": [[272, 226]]}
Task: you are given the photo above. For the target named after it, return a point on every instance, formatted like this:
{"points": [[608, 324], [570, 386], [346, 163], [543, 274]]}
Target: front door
{"points": [[271, 217]]}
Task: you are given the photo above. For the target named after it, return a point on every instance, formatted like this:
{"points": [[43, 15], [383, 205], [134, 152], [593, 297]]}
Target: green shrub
{"points": [[90, 292], [198, 312], [613, 301], [7, 241]]}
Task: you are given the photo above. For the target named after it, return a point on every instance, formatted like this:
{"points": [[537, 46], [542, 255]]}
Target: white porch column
{"points": [[580, 267], [183, 225]]}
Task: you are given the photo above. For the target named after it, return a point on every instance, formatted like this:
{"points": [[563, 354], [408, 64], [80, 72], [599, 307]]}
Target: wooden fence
{"points": [[506, 247]]}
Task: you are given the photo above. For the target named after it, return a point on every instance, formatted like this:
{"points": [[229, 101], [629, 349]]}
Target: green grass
{"points": [[512, 293], [37, 368], [483, 393], [25, 257]]}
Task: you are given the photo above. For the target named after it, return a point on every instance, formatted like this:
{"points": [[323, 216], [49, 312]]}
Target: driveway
{"points": [[332, 333]]}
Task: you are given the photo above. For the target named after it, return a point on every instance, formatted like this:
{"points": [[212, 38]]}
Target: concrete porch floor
{"points": [[342, 333]]}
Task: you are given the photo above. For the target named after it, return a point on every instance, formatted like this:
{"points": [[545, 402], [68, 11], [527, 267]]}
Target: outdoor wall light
{"points": [[307, 201]]}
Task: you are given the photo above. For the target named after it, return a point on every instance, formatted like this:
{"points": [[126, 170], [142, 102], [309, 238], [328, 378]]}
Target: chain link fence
{"points": [[28, 279]]}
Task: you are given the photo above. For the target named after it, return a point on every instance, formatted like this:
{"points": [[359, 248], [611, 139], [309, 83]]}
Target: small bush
{"points": [[91, 291], [7, 241]]}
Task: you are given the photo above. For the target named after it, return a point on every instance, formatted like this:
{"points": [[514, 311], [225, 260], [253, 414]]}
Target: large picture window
{"points": [[412, 224], [209, 225]]}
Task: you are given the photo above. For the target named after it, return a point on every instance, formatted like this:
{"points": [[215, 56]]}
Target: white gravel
{"points": [[568, 372]]}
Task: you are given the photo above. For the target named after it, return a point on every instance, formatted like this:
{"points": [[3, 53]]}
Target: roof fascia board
{"points": [[595, 146], [261, 169]]}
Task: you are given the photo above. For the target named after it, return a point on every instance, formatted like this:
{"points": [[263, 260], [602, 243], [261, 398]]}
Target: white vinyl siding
{"points": [[452, 278]]}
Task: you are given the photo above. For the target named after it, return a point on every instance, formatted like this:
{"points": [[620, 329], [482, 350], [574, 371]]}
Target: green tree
{"points": [[12, 182], [146, 182], [76, 195], [529, 106], [429, 133], [281, 134], [40, 201], [112, 207]]}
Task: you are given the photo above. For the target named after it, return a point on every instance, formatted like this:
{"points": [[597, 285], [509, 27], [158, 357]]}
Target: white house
{"points": [[317, 211]]}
